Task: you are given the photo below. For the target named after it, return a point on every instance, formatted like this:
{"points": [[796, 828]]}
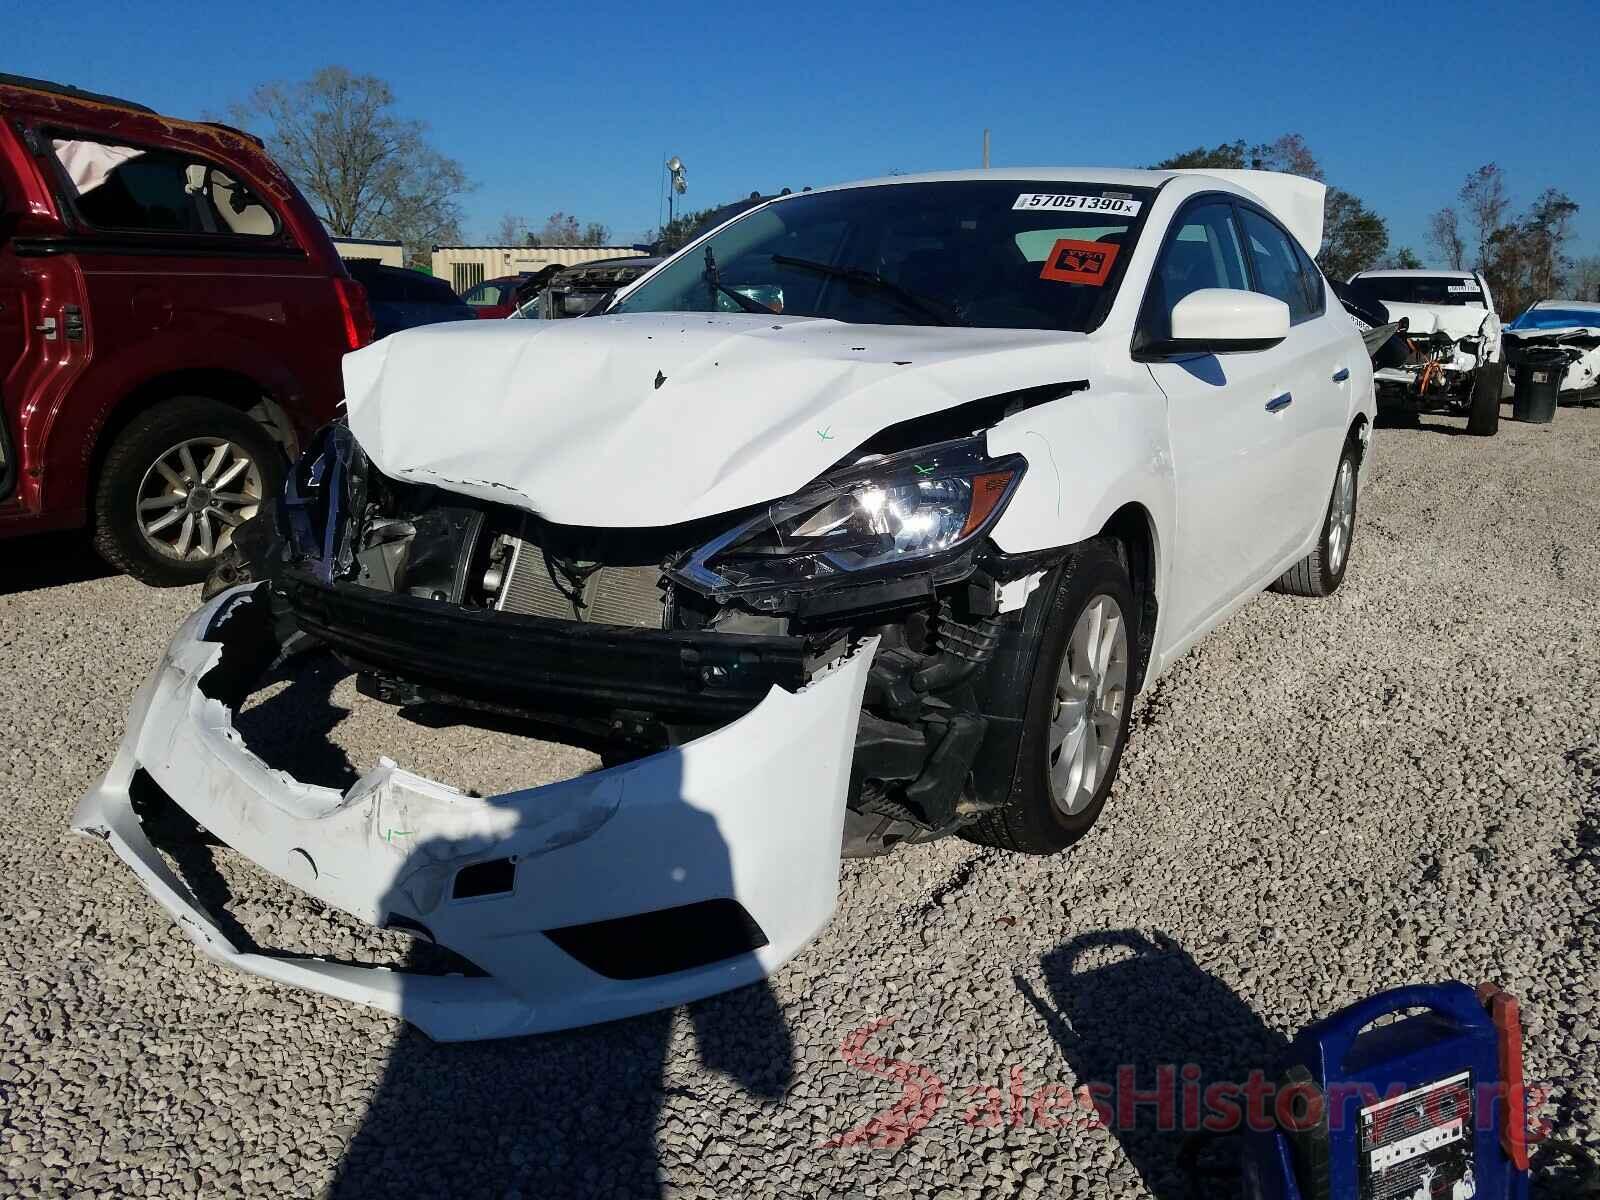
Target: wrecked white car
{"points": [[1563, 335], [860, 521], [1448, 352]]}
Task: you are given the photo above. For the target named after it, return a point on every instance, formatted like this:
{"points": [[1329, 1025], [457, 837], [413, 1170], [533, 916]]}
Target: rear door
{"points": [[1316, 371], [1223, 414]]}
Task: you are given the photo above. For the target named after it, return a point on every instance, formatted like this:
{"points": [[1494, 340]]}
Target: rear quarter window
{"points": [[151, 190]]}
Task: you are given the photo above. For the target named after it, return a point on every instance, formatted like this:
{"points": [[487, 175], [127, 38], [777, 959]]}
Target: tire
{"points": [[1483, 412], [145, 467], [1030, 820], [1322, 571]]}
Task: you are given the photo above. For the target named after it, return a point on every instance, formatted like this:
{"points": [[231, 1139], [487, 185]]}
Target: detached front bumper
{"points": [[627, 890]]}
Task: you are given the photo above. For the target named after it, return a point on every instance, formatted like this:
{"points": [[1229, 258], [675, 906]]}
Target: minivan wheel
{"points": [[176, 483], [1079, 700]]}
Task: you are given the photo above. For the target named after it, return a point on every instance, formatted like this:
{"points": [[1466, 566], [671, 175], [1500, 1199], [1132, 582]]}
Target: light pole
{"points": [[677, 185]]}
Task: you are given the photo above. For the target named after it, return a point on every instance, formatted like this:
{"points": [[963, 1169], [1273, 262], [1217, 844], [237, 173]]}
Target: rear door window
{"points": [[146, 190]]}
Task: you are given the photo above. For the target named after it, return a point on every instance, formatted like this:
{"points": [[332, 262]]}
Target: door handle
{"points": [[1279, 403], [1341, 374]]}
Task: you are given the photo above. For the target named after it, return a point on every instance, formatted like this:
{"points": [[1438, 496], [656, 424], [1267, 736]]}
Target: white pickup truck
{"points": [[1454, 357]]}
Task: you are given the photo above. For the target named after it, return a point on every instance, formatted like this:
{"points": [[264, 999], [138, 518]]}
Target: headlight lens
{"points": [[906, 509]]}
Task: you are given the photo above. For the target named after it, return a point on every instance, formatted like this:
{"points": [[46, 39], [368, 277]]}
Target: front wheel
{"points": [[1075, 724], [1322, 571]]}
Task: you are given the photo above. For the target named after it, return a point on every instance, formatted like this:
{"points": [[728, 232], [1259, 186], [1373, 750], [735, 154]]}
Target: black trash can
{"points": [[1539, 371]]}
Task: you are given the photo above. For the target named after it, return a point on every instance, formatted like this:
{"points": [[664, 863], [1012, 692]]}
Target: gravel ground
{"points": [[1399, 784]]}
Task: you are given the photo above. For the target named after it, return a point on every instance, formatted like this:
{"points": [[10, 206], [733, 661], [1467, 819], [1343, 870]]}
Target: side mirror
{"points": [[1226, 321]]}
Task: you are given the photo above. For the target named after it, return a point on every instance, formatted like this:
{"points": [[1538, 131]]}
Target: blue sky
{"points": [[573, 106]]}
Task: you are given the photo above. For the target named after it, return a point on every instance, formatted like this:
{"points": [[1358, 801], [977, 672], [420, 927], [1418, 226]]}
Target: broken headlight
{"points": [[326, 485], [907, 510]]}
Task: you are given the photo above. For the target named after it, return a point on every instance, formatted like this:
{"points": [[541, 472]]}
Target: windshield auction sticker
{"points": [[1420, 1143], [1062, 202], [1080, 262]]}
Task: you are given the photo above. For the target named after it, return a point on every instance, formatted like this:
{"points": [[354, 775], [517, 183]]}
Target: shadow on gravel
{"points": [[45, 560], [1126, 1009], [575, 1113]]}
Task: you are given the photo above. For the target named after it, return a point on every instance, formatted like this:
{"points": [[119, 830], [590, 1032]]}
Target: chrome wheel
{"points": [[195, 495], [1341, 516], [1089, 701]]}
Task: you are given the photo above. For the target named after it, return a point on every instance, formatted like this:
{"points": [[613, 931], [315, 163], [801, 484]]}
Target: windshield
{"points": [[999, 255], [1423, 289], [1557, 318]]}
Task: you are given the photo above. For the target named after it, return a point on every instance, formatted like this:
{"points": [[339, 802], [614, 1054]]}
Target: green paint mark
{"points": [[390, 834], [921, 470], [824, 433]]}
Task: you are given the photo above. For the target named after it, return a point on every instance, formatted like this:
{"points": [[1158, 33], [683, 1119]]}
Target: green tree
{"points": [[1403, 259], [366, 170], [1353, 236]]}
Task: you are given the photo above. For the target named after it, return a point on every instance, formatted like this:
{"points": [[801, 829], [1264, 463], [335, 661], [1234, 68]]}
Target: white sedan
{"points": [[861, 520]]}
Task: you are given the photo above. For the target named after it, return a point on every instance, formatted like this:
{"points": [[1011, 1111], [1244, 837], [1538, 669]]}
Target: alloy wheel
{"points": [[1091, 694], [1341, 516], [195, 495]]}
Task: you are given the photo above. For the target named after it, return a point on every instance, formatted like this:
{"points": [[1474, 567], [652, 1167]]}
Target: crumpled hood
{"points": [[655, 418], [1457, 320]]}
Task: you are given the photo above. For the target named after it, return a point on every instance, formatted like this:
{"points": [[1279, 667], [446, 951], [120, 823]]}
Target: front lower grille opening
{"points": [[664, 941], [262, 914], [537, 586]]}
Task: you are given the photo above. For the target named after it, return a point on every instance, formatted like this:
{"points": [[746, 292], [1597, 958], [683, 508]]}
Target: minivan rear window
{"points": [[147, 190]]}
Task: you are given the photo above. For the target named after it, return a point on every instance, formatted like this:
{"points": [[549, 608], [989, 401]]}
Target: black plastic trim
{"points": [[549, 665], [151, 245], [664, 941]]}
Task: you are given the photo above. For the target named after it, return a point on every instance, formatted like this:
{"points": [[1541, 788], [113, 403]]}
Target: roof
{"points": [[66, 89], [1293, 199], [1110, 176], [1413, 273], [355, 241], [463, 246], [1568, 305]]}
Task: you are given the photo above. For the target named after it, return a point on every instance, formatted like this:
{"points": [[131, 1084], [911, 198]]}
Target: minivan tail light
{"points": [[357, 314]]}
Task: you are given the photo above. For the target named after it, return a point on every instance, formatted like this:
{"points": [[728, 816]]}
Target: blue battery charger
{"points": [[1428, 1106]]}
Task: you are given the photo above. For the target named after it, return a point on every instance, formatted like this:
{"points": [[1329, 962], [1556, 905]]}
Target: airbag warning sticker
{"points": [[1080, 262], [1419, 1144]]}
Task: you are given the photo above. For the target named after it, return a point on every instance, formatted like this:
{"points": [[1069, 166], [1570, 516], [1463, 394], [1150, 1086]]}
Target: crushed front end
{"points": [[767, 689]]}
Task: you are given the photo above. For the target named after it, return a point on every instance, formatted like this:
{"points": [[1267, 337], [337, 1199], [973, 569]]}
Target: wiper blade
{"points": [[940, 312], [714, 278]]}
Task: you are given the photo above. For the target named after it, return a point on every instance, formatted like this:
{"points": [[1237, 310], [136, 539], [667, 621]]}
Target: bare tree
{"points": [[563, 229], [1444, 235], [1583, 278], [1486, 202], [1288, 153], [511, 231], [369, 172]]}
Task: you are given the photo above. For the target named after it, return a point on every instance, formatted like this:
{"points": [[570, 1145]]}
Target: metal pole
{"points": [[985, 149]]}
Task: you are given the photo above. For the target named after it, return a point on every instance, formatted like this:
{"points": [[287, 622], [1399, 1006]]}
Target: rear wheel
{"points": [[1075, 724], [176, 483], [1322, 571]]}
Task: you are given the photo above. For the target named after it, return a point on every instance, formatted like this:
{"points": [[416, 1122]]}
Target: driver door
{"points": [[1229, 444]]}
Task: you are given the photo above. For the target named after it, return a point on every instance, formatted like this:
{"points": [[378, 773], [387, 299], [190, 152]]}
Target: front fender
{"points": [[1089, 454]]}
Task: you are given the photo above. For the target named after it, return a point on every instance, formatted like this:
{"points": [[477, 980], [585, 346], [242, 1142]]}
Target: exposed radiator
{"points": [[611, 596]]}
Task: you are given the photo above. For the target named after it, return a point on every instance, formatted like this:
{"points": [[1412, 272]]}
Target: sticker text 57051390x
{"points": [[1117, 206]]}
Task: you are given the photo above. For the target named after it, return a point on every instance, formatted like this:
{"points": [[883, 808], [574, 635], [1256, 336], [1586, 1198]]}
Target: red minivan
{"points": [[172, 319]]}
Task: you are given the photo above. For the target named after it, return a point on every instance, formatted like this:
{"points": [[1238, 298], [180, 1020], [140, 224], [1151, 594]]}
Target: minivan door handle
{"points": [[1279, 403], [1341, 374]]}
